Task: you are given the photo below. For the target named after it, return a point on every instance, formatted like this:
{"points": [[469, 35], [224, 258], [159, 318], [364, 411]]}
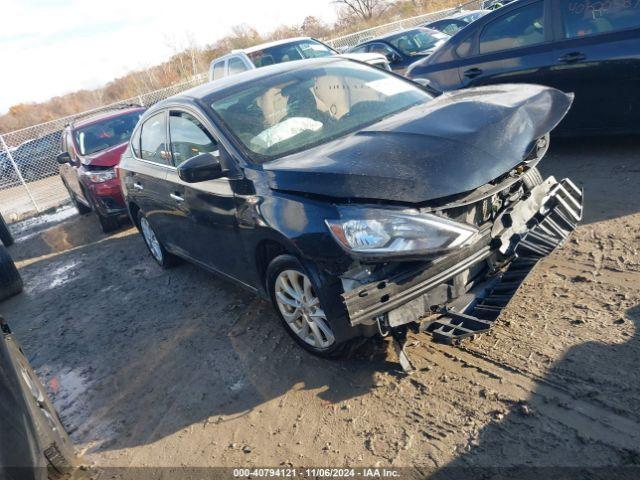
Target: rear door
{"points": [[204, 213], [515, 47], [145, 180], [597, 56]]}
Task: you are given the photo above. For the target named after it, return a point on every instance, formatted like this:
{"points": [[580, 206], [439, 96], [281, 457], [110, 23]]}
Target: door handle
{"points": [[138, 185], [473, 72], [572, 57], [176, 197]]}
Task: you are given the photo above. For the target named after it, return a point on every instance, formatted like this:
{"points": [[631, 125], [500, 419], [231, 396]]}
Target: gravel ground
{"points": [[169, 368]]}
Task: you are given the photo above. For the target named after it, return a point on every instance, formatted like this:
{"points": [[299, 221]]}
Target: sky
{"points": [[53, 47]]}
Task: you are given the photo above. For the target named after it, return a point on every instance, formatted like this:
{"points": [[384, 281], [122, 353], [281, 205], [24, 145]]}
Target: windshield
{"points": [[302, 108], [107, 133], [417, 42], [290, 51]]}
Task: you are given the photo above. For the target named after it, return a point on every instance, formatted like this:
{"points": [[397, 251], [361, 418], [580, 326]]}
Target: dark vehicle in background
{"points": [[350, 197], [404, 48], [91, 149], [592, 52], [33, 443], [456, 22], [36, 159]]}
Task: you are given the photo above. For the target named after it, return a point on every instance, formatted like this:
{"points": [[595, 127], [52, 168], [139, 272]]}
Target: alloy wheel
{"points": [[151, 239], [300, 308]]}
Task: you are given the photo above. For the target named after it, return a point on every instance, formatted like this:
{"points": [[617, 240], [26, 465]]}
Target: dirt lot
{"points": [[153, 368]]}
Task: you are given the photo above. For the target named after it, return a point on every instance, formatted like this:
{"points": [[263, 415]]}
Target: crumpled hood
{"points": [[105, 158], [453, 144]]}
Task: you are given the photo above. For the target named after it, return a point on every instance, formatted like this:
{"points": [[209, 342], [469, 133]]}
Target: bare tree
{"points": [[363, 9]]}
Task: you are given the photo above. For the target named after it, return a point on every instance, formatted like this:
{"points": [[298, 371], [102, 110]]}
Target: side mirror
{"points": [[393, 57], [421, 81], [63, 158], [200, 168]]}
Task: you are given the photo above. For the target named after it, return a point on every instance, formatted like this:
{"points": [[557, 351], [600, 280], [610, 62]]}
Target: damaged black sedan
{"points": [[351, 198]]}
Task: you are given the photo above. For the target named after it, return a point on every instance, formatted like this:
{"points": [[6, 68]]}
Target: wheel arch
{"points": [[133, 213], [266, 250]]}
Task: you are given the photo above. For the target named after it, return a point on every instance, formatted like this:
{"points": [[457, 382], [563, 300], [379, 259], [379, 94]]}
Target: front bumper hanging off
{"points": [[522, 235]]}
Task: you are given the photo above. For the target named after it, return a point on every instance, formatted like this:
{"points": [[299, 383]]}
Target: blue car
{"points": [[405, 47], [572, 46]]}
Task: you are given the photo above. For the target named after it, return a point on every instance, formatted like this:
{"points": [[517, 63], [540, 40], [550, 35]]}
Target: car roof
{"points": [[220, 86], [275, 43], [464, 13], [105, 115]]}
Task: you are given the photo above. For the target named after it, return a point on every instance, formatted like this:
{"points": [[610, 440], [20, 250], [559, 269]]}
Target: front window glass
{"points": [[188, 137], [302, 108], [288, 52], [106, 134], [585, 18], [522, 28]]}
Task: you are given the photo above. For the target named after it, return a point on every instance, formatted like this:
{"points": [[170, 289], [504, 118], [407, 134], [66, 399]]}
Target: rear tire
{"points": [[5, 234], [10, 279], [296, 302], [155, 247], [108, 224]]}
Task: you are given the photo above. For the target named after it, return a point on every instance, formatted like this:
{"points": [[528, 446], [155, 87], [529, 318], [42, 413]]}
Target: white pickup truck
{"points": [[281, 51]]}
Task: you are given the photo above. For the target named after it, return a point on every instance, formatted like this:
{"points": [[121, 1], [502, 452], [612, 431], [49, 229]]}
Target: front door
{"points": [[597, 56], [204, 213], [516, 47]]}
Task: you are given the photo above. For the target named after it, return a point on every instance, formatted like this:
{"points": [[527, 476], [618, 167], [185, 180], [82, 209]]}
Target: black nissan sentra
{"points": [[351, 198]]}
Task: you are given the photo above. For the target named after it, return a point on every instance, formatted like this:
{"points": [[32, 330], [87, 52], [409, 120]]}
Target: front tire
{"points": [[155, 247], [10, 279], [295, 299]]}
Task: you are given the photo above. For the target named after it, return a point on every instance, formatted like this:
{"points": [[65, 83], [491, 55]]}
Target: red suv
{"points": [[91, 149]]}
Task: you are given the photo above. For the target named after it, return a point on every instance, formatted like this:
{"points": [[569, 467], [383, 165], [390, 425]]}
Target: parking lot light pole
{"points": [[15, 167]]}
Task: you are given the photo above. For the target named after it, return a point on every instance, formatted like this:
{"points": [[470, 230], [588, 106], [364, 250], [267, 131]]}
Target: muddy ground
{"points": [[169, 368]]}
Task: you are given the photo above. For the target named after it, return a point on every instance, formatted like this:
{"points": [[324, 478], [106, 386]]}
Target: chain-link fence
{"points": [[29, 174], [29, 178]]}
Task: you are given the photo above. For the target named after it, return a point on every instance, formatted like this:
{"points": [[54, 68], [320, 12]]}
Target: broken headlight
{"points": [[99, 176], [375, 232]]}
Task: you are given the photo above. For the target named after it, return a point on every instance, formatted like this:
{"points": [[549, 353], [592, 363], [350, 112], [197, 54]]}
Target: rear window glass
{"points": [[236, 65], [521, 28], [153, 139], [585, 18], [218, 70]]}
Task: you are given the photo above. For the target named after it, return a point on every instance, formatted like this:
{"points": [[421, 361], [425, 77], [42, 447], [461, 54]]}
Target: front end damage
{"points": [[520, 219]]}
